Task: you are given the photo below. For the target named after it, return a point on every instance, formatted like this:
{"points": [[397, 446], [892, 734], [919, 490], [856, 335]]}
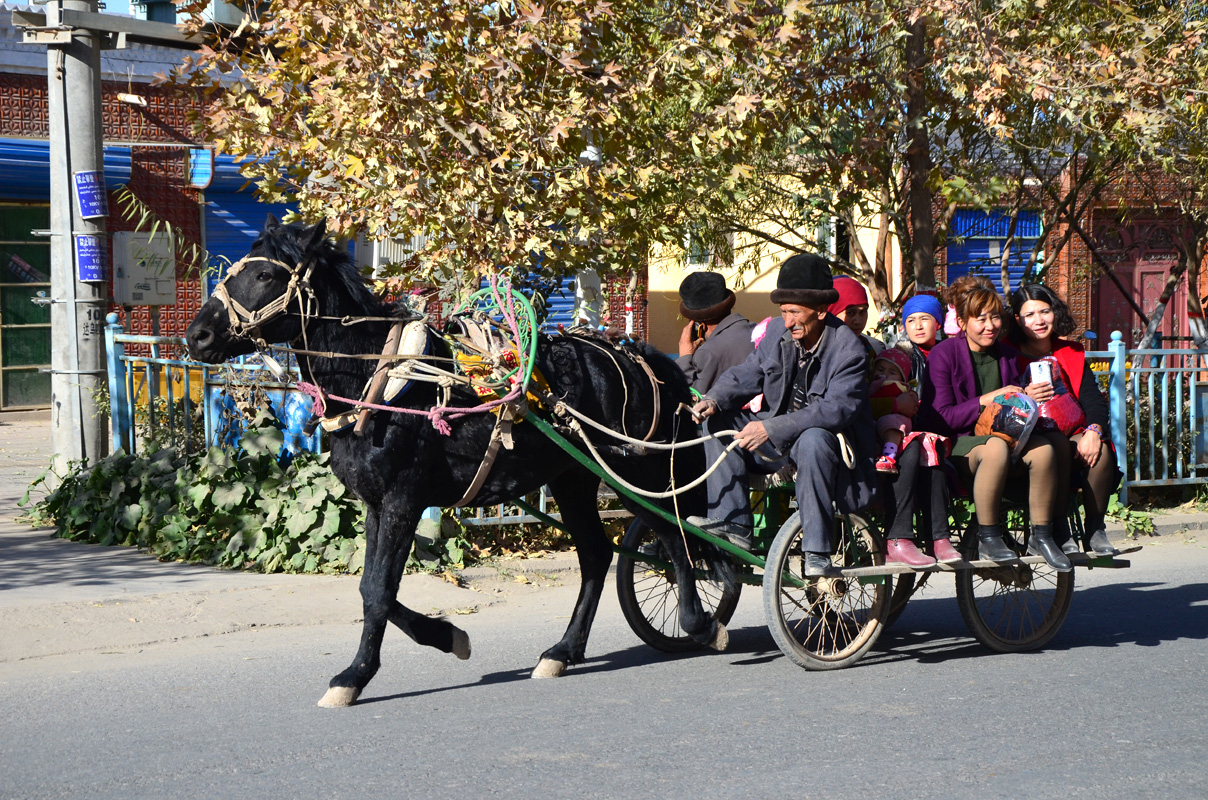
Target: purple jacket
{"points": [[950, 403]]}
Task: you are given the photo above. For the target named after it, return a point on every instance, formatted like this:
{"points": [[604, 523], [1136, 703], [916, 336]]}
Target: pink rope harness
{"points": [[437, 415]]}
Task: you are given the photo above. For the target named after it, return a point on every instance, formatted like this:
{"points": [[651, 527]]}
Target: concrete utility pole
{"points": [[74, 35], [77, 243]]}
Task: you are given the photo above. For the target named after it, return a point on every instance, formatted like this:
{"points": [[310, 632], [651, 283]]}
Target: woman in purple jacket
{"points": [[964, 374]]}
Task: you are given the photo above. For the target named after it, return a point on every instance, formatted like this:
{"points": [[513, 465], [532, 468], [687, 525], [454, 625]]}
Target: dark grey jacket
{"points": [[729, 344], [837, 396]]}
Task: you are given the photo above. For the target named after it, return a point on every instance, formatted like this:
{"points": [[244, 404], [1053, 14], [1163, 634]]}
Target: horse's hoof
{"points": [[461, 644], [340, 697], [548, 668], [721, 640]]}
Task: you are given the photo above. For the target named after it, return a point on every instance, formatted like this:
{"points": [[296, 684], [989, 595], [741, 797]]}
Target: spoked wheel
{"points": [[649, 595], [1013, 607], [905, 584], [826, 623]]}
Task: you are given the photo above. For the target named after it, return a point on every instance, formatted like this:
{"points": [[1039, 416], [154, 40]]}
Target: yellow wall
{"points": [[752, 288]]}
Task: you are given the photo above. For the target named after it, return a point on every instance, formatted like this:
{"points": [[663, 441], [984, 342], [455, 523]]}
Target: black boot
{"points": [[1041, 543], [1097, 544], [1064, 538], [990, 544]]}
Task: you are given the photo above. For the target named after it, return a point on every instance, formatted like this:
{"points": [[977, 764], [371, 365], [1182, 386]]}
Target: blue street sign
{"points": [[90, 194], [90, 258]]}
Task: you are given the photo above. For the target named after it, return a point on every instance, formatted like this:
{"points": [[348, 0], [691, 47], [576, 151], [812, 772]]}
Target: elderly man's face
{"points": [[805, 322]]}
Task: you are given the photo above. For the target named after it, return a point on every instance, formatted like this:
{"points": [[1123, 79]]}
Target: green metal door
{"points": [[24, 327]]}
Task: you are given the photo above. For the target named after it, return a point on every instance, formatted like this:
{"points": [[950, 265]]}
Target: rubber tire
{"points": [[650, 600], [1012, 618], [868, 612]]}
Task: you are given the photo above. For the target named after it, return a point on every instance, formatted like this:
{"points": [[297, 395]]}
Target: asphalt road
{"points": [[1113, 708]]}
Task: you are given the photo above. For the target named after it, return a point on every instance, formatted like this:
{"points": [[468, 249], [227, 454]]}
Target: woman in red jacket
{"points": [[1043, 319]]}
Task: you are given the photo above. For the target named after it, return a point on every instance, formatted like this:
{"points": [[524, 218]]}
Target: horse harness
{"points": [[245, 323], [481, 354]]}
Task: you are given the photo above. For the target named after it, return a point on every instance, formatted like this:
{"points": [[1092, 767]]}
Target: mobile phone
{"points": [[1042, 372]]}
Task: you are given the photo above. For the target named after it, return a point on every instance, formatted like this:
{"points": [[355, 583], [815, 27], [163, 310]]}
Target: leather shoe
{"points": [[991, 547], [1099, 545], [904, 551], [944, 552], [818, 565], [738, 535], [1070, 547], [1042, 544]]}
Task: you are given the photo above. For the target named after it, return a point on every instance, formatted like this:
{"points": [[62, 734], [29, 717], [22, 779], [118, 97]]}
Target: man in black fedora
{"points": [[715, 338], [811, 371]]}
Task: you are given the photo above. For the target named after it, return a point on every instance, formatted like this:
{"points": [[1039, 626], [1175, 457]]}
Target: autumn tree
{"points": [[578, 131], [582, 132]]}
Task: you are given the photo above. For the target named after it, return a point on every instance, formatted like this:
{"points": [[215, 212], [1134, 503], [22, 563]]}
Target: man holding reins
{"points": [[811, 370]]}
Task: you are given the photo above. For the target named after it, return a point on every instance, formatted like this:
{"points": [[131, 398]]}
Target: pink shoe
{"points": [[944, 552], [887, 464], [903, 551]]}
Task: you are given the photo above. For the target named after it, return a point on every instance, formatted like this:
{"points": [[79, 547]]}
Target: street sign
{"points": [[90, 193], [90, 258]]}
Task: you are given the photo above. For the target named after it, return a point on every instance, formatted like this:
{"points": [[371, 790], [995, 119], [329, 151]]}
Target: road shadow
{"points": [[1141, 614], [753, 644], [30, 558]]}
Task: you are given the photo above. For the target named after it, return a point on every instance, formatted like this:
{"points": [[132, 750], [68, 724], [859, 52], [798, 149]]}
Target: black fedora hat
{"points": [[704, 297], [805, 279]]}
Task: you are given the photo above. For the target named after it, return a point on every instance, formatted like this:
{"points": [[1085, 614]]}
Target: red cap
{"points": [[851, 293]]}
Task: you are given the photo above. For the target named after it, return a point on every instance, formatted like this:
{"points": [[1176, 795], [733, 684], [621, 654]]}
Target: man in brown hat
{"points": [[810, 368], [715, 338]]}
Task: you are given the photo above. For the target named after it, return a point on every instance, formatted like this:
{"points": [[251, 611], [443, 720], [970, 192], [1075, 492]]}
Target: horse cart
{"points": [[484, 411], [827, 623]]}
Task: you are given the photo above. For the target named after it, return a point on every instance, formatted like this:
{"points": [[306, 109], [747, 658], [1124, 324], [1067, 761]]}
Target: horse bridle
{"points": [[245, 323]]}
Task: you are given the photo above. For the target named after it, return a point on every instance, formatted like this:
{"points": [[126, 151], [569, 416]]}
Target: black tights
{"points": [[903, 492], [1097, 482]]}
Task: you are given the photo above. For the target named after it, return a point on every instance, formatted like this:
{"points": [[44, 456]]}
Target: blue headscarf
{"points": [[924, 303]]}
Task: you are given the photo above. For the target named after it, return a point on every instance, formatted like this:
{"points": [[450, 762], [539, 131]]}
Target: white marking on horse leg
{"points": [[461, 644], [340, 697], [722, 640], [548, 668]]}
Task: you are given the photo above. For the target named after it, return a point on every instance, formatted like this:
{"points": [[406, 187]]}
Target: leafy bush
{"points": [[247, 510]]}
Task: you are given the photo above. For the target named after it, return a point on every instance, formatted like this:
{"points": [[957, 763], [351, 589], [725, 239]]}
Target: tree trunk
{"points": [[918, 159], [1195, 307], [1172, 283]]}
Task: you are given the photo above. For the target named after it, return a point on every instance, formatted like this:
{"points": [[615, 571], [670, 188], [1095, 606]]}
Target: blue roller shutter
{"points": [[233, 217], [560, 306], [25, 169], [984, 234]]}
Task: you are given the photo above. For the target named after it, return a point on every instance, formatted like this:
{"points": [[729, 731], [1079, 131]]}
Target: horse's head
{"points": [[264, 296]]}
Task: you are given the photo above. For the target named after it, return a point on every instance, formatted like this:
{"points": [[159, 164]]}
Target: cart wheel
{"points": [[1012, 608], [905, 584], [650, 598], [825, 623]]}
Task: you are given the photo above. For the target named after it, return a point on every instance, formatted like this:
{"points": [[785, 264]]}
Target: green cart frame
{"points": [[827, 623]]}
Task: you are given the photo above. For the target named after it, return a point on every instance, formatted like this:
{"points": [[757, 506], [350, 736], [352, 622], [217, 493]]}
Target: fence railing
{"points": [[1158, 400]]}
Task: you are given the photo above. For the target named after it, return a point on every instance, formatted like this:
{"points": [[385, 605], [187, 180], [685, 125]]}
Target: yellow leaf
{"points": [[353, 167]]}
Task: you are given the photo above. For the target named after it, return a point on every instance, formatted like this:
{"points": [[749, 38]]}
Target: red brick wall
{"points": [[158, 174]]}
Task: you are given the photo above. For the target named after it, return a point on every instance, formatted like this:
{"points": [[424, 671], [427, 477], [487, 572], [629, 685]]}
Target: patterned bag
{"points": [[1011, 417]]}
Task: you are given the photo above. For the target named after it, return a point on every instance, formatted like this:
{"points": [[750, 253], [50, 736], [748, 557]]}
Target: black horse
{"points": [[297, 286]]}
